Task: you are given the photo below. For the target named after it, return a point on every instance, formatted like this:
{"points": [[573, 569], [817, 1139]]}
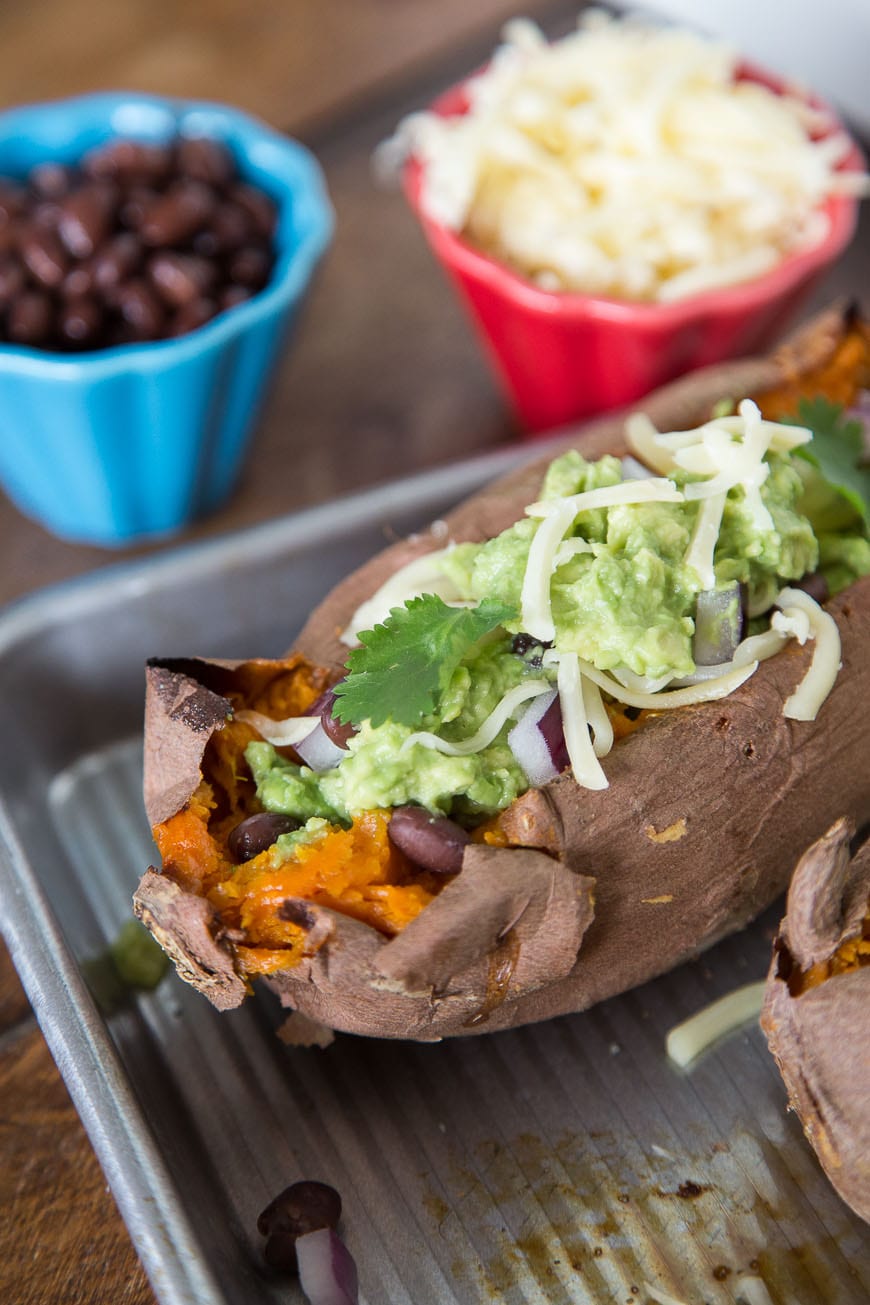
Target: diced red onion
{"points": [[318, 750], [327, 1272], [538, 740], [718, 625]]}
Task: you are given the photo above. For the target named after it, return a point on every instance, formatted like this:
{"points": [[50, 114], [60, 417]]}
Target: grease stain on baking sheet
{"points": [[562, 1211]]}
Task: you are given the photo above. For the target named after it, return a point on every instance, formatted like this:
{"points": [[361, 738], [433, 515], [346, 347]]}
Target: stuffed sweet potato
{"points": [[817, 1008], [434, 869]]}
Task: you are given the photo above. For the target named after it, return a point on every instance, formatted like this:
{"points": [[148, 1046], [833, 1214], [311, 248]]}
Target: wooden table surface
{"points": [[383, 378]]}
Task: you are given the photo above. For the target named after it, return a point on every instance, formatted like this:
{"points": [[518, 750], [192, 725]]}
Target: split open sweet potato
{"points": [[569, 896], [817, 1008]]}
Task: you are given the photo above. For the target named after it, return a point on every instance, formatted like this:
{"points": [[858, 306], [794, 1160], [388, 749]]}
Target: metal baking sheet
{"points": [[563, 1162]]}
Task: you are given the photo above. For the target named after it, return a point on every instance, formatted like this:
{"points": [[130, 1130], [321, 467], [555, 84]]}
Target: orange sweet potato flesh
{"points": [[692, 838], [357, 871]]}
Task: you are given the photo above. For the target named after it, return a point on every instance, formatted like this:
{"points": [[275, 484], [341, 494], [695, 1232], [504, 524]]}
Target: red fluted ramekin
{"points": [[563, 356]]}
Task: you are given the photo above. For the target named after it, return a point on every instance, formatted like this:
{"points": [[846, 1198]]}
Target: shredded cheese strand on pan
{"points": [[687, 1040]]}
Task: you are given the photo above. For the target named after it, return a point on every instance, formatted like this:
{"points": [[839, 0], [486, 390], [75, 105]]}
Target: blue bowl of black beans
{"points": [[153, 254]]}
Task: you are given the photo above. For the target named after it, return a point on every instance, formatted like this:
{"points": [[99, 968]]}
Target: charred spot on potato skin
{"points": [[722, 725], [296, 912], [784, 961], [749, 749]]}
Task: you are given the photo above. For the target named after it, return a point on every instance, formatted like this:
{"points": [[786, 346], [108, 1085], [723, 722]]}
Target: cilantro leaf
{"points": [[836, 450], [405, 664]]}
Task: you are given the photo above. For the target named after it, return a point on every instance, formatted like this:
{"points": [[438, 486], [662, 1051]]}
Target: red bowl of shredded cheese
{"points": [[564, 353]]}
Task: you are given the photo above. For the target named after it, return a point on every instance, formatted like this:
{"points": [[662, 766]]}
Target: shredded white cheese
{"points": [[756, 648], [423, 575], [584, 762], [685, 1042], [599, 721], [280, 733], [557, 516], [705, 538], [808, 697], [536, 616], [627, 493], [490, 728], [627, 160], [705, 691]]}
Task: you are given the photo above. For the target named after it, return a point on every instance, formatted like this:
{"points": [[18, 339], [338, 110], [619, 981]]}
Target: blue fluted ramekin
{"points": [[138, 440]]}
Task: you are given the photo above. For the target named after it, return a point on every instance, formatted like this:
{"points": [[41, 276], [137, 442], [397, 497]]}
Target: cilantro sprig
{"points": [[406, 663], [836, 451]]}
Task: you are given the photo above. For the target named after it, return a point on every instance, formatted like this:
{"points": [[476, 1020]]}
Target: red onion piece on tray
{"points": [[538, 740], [718, 625], [327, 1271]]}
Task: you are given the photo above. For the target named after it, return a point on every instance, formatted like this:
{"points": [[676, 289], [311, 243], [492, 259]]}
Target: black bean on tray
{"points": [[137, 242]]}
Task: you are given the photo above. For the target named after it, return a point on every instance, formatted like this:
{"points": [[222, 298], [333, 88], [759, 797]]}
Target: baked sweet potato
{"points": [[817, 1008], [568, 896]]}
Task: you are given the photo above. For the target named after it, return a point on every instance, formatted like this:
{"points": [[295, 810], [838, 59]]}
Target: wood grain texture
{"points": [[62, 1237], [297, 63]]}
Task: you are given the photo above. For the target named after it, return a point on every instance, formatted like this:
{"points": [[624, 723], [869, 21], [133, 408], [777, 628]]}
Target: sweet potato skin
{"points": [[707, 809], [820, 1037]]}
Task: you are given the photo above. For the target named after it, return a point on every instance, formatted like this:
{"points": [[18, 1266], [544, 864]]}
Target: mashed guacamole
{"points": [[623, 598]]}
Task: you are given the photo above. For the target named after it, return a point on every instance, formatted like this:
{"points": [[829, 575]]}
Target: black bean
{"points": [[85, 218], [117, 260], [140, 308], [259, 207], [192, 316], [175, 216], [181, 278], [231, 297], [80, 321], [301, 1208], [250, 267], [529, 648], [30, 318], [51, 180], [78, 281], [230, 228], [433, 842], [205, 160], [254, 834], [334, 730], [13, 200], [130, 160], [135, 204], [12, 280], [44, 255], [280, 1253]]}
